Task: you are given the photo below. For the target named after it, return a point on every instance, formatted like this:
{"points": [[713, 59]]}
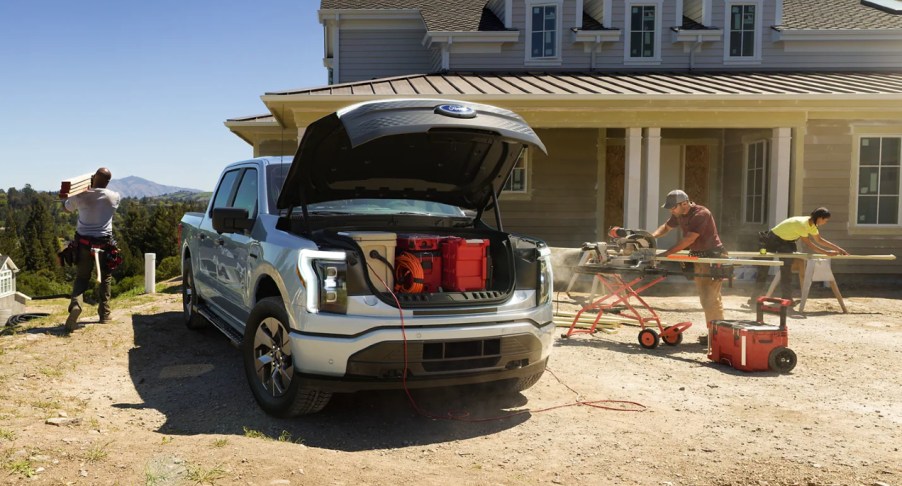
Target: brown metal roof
{"points": [[607, 84]]}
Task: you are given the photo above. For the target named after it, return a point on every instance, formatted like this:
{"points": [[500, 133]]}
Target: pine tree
{"points": [[10, 243], [39, 238]]}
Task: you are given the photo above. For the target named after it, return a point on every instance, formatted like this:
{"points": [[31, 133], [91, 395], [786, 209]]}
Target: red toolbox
{"points": [[753, 345], [428, 271], [463, 264], [418, 242]]}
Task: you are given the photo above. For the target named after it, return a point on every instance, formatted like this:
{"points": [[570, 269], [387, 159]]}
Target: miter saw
{"points": [[627, 250]]}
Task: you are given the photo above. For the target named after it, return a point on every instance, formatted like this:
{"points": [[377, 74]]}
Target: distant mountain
{"points": [[137, 187]]}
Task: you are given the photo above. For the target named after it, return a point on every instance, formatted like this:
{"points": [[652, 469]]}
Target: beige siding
{"points": [[561, 206]]}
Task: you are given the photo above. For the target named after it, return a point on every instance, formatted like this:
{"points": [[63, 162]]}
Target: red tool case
{"points": [[426, 249], [463, 264], [753, 345]]}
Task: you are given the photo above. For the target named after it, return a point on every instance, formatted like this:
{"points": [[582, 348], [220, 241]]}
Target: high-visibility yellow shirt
{"points": [[794, 228]]}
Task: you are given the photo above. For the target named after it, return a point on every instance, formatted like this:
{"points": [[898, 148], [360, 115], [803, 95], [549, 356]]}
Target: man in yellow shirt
{"points": [[782, 239]]}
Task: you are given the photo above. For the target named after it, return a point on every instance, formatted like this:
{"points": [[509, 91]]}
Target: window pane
{"points": [[736, 18], [748, 43], [636, 18], [748, 20], [537, 17], [550, 18], [735, 43], [867, 180], [889, 210], [549, 44], [870, 151], [635, 44], [537, 44], [246, 197], [867, 210], [889, 181], [225, 189], [890, 151], [648, 19]]}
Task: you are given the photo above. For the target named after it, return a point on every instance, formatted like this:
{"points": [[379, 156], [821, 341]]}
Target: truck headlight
{"points": [[546, 277], [324, 276]]}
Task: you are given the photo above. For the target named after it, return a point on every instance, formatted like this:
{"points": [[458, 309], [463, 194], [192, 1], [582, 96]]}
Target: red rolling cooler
{"points": [[463, 264], [425, 249], [753, 345]]}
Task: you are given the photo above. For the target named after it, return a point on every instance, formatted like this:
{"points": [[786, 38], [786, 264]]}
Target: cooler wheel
{"points": [[649, 339], [782, 360]]}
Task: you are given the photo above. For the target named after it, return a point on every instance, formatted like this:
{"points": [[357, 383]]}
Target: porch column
{"points": [[632, 179], [652, 177], [778, 194]]}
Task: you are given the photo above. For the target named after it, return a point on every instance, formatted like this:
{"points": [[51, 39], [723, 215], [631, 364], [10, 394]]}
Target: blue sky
{"points": [[143, 87]]}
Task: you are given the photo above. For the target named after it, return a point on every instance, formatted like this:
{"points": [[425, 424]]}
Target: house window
{"points": [[544, 28], [643, 40], [878, 180], [642, 31], [743, 44], [6, 282], [517, 182], [754, 197]]}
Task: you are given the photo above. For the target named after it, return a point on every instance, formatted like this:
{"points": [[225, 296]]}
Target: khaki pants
{"points": [[709, 293], [83, 271]]}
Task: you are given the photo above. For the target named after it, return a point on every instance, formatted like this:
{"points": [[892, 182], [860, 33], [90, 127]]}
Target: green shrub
{"points": [[127, 284], [169, 267]]}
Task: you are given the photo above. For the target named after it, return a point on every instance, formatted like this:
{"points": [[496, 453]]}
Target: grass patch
{"points": [[220, 443], [46, 405], [255, 434], [202, 475], [22, 467], [7, 435], [51, 372], [97, 453]]}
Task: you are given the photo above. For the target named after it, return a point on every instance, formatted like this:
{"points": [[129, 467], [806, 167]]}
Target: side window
{"points": [[517, 182], [754, 197], [224, 192], [246, 197], [878, 180]]}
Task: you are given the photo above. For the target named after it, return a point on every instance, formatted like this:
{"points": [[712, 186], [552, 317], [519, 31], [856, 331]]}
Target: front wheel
{"points": [[269, 364], [782, 359], [649, 339]]}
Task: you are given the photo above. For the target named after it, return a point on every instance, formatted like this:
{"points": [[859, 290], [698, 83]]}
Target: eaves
{"points": [[789, 35]]}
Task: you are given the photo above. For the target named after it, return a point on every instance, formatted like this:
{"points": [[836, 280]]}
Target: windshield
{"points": [[386, 206]]}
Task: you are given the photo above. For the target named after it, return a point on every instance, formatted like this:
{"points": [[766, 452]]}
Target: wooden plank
{"points": [[75, 185], [808, 256]]}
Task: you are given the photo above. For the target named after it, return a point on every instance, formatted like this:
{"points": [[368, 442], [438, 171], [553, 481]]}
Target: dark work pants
{"points": [[83, 272], [775, 244]]}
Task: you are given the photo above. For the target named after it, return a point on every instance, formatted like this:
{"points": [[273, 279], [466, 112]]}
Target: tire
{"points": [[269, 364], [520, 384], [671, 341], [190, 300], [782, 360], [649, 339]]}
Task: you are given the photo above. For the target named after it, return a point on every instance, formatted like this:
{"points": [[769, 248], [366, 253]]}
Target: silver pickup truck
{"points": [[366, 264]]}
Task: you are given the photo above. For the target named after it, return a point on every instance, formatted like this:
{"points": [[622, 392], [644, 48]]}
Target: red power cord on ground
{"points": [[624, 405]]}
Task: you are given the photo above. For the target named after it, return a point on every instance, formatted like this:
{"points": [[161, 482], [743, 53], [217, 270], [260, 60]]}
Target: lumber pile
{"points": [[75, 185]]}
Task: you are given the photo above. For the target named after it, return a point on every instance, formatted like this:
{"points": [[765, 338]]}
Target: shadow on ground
{"points": [[195, 378]]}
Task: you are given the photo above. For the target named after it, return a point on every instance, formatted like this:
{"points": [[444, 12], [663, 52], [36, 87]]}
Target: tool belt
{"points": [[716, 270], [111, 256]]}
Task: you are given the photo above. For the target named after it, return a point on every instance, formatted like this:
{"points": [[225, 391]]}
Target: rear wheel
{"points": [[190, 300], [269, 364], [671, 336], [782, 359]]}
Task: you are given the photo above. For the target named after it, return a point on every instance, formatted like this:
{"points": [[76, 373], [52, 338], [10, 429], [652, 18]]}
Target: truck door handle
{"points": [[220, 241], [202, 236]]}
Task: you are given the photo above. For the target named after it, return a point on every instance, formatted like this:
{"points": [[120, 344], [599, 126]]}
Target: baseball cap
{"points": [[675, 197]]}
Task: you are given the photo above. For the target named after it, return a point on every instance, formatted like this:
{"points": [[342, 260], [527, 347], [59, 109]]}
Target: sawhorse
{"points": [[813, 269]]}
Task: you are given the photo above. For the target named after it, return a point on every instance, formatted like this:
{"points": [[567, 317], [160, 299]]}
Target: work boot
{"points": [[105, 318], [74, 312]]}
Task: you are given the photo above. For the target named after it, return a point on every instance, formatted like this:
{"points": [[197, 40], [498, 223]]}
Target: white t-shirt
{"points": [[95, 211]]}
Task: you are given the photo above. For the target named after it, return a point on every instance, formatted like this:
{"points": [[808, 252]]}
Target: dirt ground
{"points": [[145, 401]]}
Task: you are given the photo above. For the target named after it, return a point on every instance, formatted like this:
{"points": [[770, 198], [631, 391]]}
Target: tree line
{"points": [[34, 227]]}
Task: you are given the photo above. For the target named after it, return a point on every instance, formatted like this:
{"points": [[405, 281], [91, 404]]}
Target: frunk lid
{"points": [[451, 152]]}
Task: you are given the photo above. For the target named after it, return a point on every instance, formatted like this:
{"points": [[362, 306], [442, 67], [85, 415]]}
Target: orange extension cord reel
{"points": [[409, 274]]}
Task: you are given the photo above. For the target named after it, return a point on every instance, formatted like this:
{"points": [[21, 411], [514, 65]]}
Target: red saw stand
{"points": [[618, 300]]}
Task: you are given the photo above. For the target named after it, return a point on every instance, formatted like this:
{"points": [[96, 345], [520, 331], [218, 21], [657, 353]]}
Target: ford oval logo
{"points": [[455, 111]]}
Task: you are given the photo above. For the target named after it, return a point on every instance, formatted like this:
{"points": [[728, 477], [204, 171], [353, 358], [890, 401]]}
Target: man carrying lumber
{"points": [[699, 235], [93, 234], [782, 239]]}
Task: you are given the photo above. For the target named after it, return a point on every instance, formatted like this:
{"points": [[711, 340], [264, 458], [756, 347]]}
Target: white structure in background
{"points": [[11, 302], [150, 278]]}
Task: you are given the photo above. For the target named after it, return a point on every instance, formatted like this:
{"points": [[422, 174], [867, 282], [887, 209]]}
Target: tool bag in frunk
{"points": [[753, 345]]}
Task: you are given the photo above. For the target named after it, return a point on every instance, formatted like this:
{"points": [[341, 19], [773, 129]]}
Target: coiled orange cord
{"points": [[409, 274]]}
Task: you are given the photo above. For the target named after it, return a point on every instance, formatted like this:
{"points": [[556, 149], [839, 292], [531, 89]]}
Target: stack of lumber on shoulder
{"points": [[76, 185]]}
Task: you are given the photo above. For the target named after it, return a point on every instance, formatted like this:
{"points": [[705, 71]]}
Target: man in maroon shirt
{"points": [[701, 239]]}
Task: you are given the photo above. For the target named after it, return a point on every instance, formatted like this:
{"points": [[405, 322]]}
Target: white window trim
{"points": [[627, 33], [727, 29], [544, 61], [526, 193], [745, 174], [856, 170], [6, 277]]}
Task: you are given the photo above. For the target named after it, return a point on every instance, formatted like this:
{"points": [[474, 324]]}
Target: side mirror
{"points": [[231, 220]]}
